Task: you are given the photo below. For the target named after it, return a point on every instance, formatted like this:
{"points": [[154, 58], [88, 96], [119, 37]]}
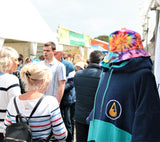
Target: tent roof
{"points": [[20, 20]]}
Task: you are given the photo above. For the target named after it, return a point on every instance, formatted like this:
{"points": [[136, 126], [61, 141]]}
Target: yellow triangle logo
{"points": [[113, 110]]}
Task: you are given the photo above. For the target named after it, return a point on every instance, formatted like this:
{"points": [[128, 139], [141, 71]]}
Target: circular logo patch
{"points": [[113, 109]]}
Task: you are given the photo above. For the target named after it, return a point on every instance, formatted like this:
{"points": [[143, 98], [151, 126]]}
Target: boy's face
{"points": [[48, 53]]}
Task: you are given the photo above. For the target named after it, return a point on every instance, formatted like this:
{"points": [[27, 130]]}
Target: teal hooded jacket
{"points": [[127, 104]]}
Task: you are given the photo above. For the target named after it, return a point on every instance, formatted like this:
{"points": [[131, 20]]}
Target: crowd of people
{"points": [[112, 97]]}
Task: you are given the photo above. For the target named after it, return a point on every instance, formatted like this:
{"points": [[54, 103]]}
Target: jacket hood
{"points": [[130, 65]]}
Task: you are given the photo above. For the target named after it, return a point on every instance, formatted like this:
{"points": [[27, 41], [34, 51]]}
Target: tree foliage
{"points": [[102, 37]]}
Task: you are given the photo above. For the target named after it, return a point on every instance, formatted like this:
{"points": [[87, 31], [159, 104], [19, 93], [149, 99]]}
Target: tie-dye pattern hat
{"points": [[123, 45]]}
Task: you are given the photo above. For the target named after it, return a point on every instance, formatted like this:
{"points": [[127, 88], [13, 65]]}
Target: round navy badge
{"points": [[113, 109]]}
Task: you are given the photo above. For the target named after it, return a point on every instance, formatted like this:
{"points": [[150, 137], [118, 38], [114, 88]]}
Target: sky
{"points": [[91, 17]]}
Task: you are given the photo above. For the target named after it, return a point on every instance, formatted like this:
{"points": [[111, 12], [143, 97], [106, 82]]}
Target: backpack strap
{"points": [[15, 104], [50, 135], [17, 110], [34, 109]]}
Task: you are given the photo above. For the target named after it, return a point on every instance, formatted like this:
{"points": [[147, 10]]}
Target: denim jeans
{"points": [[72, 113], [65, 111]]}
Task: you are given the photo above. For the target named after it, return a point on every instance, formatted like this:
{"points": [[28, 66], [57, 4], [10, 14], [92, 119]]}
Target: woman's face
{"points": [[14, 65], [77, 68]]}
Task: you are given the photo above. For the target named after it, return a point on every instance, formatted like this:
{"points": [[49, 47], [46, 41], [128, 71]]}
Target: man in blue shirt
{"points": [[68, 101]]}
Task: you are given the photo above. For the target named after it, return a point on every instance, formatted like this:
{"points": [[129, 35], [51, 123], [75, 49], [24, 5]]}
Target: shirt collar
{"points": [[2, 73]]}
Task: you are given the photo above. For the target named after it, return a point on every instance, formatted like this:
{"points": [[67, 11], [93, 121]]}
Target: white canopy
{"points": [[20, 20], [148, 17]]}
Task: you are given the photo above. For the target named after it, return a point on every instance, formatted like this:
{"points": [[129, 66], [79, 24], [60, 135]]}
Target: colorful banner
{"points": [[157, 59], [76, 39], [71, 38], [102, 44], [63, 36]]}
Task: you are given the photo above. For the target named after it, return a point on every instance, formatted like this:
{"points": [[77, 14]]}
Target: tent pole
{"points": [[156, 33], [157, 22], [1, 42], [33, 50]]}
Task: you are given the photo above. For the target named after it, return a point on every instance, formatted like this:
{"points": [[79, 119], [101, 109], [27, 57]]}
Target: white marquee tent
{"points": [[20, 20]]}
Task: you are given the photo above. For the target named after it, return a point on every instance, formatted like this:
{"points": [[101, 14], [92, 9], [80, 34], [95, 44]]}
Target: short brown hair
{"points": [[52, 44], [96, 56]]}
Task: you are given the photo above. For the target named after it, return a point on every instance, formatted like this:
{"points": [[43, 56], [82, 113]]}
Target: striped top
{"points": [[47, 117], [9, 87], [59, 73]]}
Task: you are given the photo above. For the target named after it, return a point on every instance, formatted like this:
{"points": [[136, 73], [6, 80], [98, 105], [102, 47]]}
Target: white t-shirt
{"points": [[47, 117]]}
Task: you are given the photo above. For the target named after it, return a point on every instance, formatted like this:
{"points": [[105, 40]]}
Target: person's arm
{"points": [[61, 90], [69, 85], [147, 115], [8, 120], [58, 127]]}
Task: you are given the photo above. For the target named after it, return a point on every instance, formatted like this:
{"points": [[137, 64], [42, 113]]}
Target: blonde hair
{"points": [[7, 54], [77, 58], [32, 75]]}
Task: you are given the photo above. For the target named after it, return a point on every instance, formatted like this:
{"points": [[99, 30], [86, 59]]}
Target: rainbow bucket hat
{"points": [[123, 45]]}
